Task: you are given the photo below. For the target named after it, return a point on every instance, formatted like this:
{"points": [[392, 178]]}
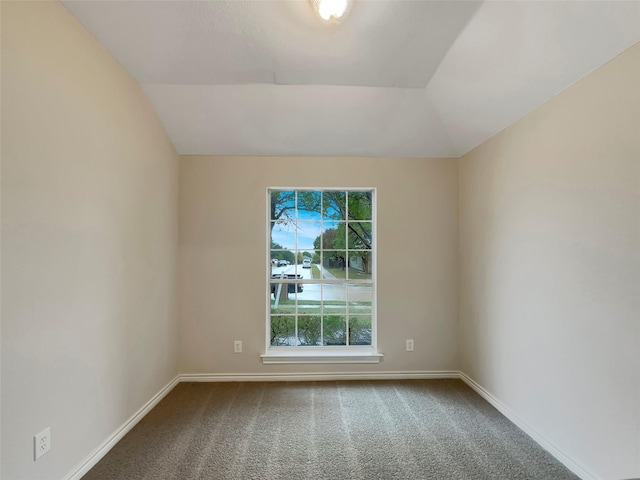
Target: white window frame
{"points": [[323, 354]]}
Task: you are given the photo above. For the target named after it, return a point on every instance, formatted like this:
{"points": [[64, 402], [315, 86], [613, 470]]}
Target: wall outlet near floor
{"points": [[237, 346], [409, 344], [41, 443]]}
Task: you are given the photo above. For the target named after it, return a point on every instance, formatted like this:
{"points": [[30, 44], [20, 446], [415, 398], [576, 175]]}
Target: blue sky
{"points": [[285, 235]]}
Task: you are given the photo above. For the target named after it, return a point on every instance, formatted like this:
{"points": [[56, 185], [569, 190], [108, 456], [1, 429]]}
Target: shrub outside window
{"points": [[321, 269]]}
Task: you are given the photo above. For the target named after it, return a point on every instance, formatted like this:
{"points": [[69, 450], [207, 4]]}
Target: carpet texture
{"points": [[410, 429]]}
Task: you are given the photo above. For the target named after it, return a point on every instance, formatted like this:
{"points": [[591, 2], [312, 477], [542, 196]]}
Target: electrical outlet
{"points": [[409, 344], [41, 443], [237, 346]]}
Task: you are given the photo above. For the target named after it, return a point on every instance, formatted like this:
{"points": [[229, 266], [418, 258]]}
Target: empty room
{"points": [[304, 239]]}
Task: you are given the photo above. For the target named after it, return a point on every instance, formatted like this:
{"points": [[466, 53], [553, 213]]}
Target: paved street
{"points": [[357, 293]]}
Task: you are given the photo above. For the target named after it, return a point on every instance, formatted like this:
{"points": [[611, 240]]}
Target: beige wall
{"points": [[223, 258], [550, 273], [89, 243]]}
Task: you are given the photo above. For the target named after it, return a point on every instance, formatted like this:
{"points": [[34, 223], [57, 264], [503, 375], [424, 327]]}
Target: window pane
{"points": [[334, 292], [283, 205], [333, 236], [283, 331], [335, 330], [309, 330], [309, 205], [359, 265], [281, 260], [286, 303], [360, 298], [315, 266], [283, 294], [309, 299], [333, 205], [334, 299], [308, 232], [360, 205], [360, 235], [283, 235], [360, 330], [333, 264], [304, 267]]}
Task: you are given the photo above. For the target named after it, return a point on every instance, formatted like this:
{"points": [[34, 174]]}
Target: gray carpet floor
{"points": [[409, 429]]}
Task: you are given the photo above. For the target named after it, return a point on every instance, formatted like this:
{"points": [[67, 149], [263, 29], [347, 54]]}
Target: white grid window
{"points": [[321, 271]]}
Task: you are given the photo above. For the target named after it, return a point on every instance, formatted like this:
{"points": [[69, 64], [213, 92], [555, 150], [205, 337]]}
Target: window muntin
{"points": [[330, 303]]}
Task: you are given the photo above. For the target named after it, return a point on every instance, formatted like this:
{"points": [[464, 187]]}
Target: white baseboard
{"points": [[312, 377], [572, 465], [95, 456]]}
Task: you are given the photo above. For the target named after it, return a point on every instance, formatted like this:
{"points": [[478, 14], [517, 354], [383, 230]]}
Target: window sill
{"points": [[350, 356]]}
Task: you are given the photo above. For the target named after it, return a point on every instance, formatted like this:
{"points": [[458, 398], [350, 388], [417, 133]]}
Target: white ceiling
{"points": [[396, 78]]}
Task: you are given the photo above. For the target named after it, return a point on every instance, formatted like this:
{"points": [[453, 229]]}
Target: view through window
{"points": [[322, 268]]}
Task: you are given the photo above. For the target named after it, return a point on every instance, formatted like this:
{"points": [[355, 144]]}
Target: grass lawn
{"points": [[353, 273], [313, 307]]}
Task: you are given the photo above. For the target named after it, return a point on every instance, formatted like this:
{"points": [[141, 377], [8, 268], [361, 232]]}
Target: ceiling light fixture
{"points": [[332, 11]]}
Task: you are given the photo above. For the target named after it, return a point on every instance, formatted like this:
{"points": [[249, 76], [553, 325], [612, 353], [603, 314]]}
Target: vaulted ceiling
{"points": [[394, 79]]}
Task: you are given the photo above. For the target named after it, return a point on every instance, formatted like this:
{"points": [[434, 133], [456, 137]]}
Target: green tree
{"points": [[359, 214], [328, 239], [283, 254], [283, 206], [356, 207]]}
